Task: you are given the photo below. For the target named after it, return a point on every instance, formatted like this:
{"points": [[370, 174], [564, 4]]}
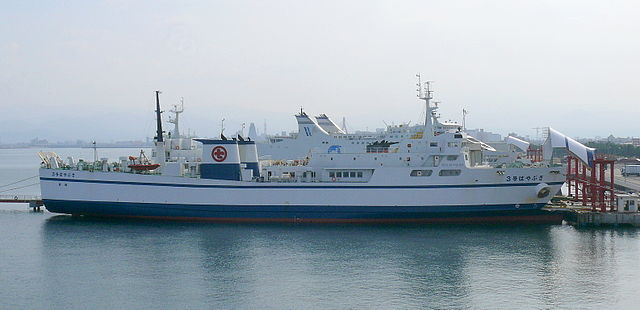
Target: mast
{"points": [[95, 151], [425, 93], [464, 119], [161, 154], [176, 110], [264, 130], [344, 125], [158, 119]]}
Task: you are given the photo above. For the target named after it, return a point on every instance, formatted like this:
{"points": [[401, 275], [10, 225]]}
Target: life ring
{"points": [[333, 179], [177, 147]]}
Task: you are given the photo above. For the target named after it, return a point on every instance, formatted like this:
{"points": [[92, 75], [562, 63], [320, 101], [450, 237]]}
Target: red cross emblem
{"points": [[219, 153]]}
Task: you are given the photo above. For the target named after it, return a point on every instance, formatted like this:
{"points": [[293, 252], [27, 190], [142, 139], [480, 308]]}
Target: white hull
{"points": [[418, 195]]}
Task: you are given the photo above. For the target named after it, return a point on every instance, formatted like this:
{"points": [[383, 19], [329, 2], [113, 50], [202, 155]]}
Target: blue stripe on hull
{"points": [[244, 185], [484, 213]]}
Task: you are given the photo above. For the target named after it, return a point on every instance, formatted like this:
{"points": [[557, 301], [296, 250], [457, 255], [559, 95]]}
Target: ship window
{"points": [[352, 174], [339, 174], [332, 174], [359, 174], [433, 144], [449, 172], [457, 136], [452, 157], [421, 173]]}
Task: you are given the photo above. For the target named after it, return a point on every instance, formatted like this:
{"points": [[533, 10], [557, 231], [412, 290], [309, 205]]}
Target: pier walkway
{"points": [[34, 201]]}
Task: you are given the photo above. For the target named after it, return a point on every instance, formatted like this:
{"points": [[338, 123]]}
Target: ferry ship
{"points": [[322, 134], [439, 176]]}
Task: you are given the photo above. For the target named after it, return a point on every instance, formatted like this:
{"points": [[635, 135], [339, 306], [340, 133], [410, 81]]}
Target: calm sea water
{"points": [[51, 261]]}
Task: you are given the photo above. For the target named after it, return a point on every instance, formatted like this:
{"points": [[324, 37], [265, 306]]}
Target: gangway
{"points": [[34, 201]]}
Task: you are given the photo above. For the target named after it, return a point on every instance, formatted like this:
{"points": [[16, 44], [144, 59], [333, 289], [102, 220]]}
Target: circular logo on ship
{"points": [[219, 153]]}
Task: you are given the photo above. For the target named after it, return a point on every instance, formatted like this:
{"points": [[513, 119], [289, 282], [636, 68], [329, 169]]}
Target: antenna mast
{"points": [[344, 124], [176, 119], [95, 151], [464, 119], [158, 118], [264, 133], [425, 93]]}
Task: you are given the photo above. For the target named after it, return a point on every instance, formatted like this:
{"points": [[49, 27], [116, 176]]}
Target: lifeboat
{"points": [[141, 163], [144, 167]]}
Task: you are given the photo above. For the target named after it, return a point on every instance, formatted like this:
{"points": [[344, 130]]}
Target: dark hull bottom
{"points": [[304, 214]]}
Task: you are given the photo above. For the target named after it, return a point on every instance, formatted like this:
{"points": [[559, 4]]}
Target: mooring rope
{"points": [[16, 182], [6, 190]]}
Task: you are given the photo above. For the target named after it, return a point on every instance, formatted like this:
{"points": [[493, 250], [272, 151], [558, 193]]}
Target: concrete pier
{"points": [[589, 218]]}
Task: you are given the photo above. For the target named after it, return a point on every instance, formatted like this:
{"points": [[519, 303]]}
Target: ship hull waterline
{"points": [[304, 214]]}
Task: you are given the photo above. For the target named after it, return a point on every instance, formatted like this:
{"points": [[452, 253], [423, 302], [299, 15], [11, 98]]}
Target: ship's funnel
{"points": [[220, 159], [328, 125], [249, 156], [307, 127], [559, 140]]}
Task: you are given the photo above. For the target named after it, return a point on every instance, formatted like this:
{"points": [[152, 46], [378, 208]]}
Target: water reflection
{"points": [[173, 265]]}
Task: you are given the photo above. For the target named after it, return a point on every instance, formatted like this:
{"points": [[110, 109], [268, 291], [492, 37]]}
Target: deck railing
{"points": [[20, 198]]}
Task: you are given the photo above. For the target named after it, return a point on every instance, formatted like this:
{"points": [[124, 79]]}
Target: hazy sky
{"points": [[88, 69]]}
